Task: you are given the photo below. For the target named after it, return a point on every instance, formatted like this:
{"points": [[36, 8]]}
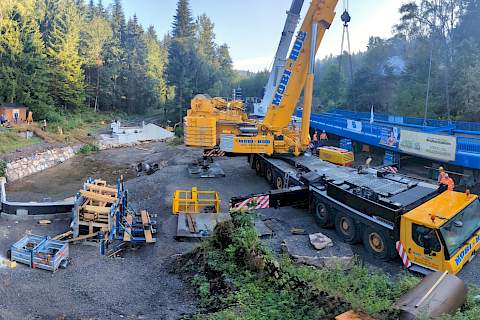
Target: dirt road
{"points": [[139, 286]]}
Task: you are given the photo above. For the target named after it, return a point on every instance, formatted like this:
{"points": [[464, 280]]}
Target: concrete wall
{"points": [[38, 162]]}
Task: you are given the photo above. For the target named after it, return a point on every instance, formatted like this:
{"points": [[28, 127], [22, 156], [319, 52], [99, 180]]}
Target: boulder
{"points": [[298, 247], [320, 241]]}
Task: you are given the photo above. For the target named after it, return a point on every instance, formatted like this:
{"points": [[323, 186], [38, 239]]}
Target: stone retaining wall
{"points": [[38, 162]]}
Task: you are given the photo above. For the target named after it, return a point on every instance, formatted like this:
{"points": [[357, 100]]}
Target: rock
{"points": [[298, 247], [262, 229], [320, 241]]}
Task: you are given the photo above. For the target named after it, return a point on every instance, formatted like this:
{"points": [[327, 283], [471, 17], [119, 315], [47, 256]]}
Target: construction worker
{"points": [[315, 139], [368, 161], [324, 136], [441, 174], [448, 182], [44, 125], [30, 117]]}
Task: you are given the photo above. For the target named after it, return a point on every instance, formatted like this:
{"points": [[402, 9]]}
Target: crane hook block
{"points": [[346, 17]]}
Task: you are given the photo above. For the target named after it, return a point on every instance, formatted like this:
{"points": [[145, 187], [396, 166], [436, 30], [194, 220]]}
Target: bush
{"points": [[89, 148], [3, 168]]}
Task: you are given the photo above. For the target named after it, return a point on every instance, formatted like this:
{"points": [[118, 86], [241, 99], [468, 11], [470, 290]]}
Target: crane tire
{"points": [[347, 229], [378, 244], [323, 214], [269, 174], [258, 167]]}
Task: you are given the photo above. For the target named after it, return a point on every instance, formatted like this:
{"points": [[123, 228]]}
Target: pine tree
{"points": [[156, 63], [62, 34], [183, 26], [182, 57], [135, 74], [23, 68], [96, 36], [206, 37]]}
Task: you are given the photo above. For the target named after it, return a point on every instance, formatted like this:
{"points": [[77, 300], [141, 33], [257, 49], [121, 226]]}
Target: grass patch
{"points": [[175, 141], [10, 141], [237, 277]]}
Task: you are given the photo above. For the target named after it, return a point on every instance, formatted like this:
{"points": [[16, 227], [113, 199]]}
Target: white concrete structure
{"points": [[132, 135]]}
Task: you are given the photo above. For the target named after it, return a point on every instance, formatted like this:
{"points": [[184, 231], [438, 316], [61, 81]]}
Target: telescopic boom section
{"points": [[298, 70]]}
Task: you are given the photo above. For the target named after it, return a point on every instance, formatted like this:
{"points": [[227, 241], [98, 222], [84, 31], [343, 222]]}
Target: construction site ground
{"points": [[141, 285]]}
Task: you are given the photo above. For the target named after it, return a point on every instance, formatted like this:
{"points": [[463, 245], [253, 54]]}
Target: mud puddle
{"points": [[66, 179]]}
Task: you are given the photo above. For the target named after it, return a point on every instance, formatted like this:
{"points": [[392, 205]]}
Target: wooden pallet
{"points": [[94, 213]]}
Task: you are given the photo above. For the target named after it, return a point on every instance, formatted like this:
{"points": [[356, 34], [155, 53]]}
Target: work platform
{"points": [[455, 142]]}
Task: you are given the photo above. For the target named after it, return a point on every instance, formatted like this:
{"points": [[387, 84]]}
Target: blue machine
{"points": [[346, 144], [40, 252]]}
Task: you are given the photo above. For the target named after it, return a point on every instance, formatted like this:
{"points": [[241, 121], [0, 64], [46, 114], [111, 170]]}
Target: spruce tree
{"points": [[62, 46]]}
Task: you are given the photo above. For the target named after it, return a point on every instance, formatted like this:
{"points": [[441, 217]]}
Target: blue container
{"points": [[346, 144]]}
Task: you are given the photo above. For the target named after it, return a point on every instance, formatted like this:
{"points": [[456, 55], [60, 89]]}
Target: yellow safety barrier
{"points": [[195, 201]]}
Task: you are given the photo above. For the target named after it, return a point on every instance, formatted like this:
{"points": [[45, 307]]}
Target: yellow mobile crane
{"points": [[275, 134], [429, 227]]}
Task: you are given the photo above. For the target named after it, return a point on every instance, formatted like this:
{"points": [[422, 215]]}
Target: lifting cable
{"points": [[346, 18], [427, 97]]}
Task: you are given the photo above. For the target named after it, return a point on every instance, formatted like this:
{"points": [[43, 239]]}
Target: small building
{"points": [[14, 111]]}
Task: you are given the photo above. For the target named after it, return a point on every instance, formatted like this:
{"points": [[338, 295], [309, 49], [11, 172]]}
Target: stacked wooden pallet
{"points": [[93, 215], [103, 209]]}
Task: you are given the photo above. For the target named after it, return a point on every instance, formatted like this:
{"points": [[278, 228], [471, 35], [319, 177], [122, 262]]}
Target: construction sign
{"points": [[433, 146]]}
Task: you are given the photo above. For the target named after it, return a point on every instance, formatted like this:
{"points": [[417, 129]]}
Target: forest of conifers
{"points": [[58, 56]]}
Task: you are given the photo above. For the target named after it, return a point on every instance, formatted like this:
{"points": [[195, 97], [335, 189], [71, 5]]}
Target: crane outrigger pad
{"points": [[198, 225], [205, 169]]}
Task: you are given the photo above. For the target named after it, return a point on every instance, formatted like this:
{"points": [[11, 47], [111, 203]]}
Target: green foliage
{"points": [[3, 168], [60, 56], [236, 276], [89, 148]]}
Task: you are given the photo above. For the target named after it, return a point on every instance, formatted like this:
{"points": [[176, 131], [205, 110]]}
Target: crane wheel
{"points": [[347, 229], [279, 184], [269, 174], [323, 214], [258, 167], [378, 244]]}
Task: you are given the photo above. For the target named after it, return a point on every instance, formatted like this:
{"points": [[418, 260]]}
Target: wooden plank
{"points": [[63, 235], [94, 224], [100, 182], [128, 229], [146, 226], [102, 189], [97, 209], [87, 236], [192, 226], [97, 197]]}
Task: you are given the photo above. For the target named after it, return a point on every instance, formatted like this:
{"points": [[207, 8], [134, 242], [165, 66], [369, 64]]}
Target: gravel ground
{"points": [[140, 285]]}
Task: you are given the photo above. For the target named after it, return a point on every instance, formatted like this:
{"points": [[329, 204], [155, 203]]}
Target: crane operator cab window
{"points": [[426, 238], [461, 228]]}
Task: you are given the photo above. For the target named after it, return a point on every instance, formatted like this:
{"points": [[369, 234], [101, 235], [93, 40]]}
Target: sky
{"points": [[252, 28]]}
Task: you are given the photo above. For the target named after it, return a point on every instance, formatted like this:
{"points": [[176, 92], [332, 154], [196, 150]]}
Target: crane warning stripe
{"points": [[257, 202], [403, 254]]}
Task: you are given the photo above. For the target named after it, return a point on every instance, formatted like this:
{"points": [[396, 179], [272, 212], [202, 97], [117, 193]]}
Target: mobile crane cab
{"points": [[443, 233]]}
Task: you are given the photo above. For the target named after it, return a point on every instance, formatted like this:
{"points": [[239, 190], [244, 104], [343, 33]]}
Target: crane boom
{"points": [[293, 16], [294, 76]]}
